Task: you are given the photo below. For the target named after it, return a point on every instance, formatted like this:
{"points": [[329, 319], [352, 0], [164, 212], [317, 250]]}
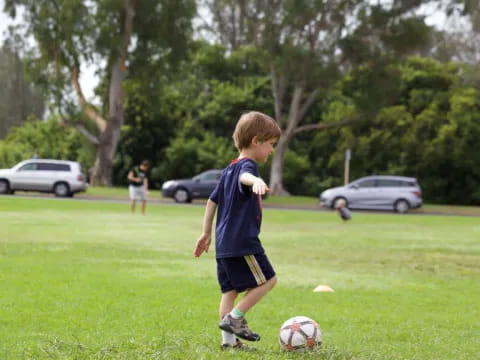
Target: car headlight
{"points": [[325, 194], [168, 184]]}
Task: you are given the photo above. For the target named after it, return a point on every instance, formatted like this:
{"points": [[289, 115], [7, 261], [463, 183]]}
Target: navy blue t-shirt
{"points": [[239, 213]]}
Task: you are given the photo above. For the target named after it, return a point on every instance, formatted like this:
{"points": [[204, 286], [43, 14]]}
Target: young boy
{"points": [[241, 261]]}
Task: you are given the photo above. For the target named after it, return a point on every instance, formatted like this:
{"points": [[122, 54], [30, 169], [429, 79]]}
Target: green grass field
{"points": [[87, 280], [306, 202]]}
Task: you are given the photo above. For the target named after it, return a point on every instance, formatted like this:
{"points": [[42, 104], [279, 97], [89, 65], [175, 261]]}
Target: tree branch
{"points": [[322, 126], [128, 26], [278, 89], [294, 110], [311, 99], [84, 131], [81, 128], [89, 110]]}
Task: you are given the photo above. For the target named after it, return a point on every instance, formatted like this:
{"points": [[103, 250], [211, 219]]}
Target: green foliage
{"points": [[226, 101], [186, 157], [428, 134], [12, 153], [185, 126], [386, 31], [147, 38], [48, 140], [296, 171]]}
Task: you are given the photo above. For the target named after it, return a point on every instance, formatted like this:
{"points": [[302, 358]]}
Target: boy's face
{"points": [[263, 149]]}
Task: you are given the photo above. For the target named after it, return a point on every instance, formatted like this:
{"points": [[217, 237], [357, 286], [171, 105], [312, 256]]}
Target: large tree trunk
{"points": [[296, 113], [299, 106], [276, 172], [108, 141]]}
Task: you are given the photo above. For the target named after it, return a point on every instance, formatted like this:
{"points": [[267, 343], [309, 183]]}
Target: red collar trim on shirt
{"points": [[234, 161]]}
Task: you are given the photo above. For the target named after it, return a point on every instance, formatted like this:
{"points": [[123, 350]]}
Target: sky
{"points": [[88, 80]]}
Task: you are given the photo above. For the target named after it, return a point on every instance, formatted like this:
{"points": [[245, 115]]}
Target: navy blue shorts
{"points": [[243, 273]]}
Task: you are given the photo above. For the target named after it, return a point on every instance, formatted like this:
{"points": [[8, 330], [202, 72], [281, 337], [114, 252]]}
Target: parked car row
{"points": [[397, 193], [65, 178]]}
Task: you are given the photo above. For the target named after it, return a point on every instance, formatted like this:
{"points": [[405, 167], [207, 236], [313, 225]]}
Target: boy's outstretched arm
{"points": [[258, 185], [203, 242]]}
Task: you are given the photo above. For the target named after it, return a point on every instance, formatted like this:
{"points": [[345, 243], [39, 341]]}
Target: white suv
{"points": [[63, 178]]}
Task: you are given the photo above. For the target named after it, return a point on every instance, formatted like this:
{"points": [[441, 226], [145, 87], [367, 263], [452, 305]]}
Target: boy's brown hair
{"points": [[257, 124]]}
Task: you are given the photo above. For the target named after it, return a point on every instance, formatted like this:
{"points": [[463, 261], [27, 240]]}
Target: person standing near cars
{"points": [[138, 185]]}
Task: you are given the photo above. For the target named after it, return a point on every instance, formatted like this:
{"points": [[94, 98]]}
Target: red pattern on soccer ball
{"points": [[296, 333]]}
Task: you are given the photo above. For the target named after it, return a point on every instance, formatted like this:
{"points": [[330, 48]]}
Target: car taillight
{"points": [[81, 177], [417, 193]]}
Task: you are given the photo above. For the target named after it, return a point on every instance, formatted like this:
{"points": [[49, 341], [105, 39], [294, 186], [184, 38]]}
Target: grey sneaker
{"points": [[238, 327], [238, 346]]}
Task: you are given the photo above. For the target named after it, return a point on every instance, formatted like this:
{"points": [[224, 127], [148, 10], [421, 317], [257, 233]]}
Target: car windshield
{"points": [[207, 176], [28, 167], [366, 183]]}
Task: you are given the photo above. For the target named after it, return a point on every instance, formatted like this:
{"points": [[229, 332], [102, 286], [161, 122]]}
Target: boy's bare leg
{"points": [[144, 204], [254, 295], [132, 206], [238, 325], [226, 303]]}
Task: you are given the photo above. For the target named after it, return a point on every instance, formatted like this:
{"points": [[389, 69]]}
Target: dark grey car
{"points": [[198, 187]]}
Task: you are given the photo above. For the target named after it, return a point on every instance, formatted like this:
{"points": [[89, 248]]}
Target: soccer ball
{"points": [[300, 332]]}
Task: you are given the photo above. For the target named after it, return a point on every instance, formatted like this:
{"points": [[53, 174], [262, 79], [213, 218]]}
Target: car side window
{"points": [[210, 176], [28, 167], [367, 183], [389, 183], [46, 167], [61, 167]]}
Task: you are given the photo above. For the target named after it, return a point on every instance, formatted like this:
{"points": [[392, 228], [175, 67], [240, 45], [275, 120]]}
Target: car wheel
{"points": [[337, 200], [181, 195], [61, 189], [4, 187], [401, 206]]}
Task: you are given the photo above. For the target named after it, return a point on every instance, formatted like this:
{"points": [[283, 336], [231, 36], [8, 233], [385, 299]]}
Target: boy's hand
{"points": [[259, 187], [203, 243]]}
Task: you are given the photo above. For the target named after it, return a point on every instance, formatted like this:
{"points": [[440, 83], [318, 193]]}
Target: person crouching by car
{"points": [[138, 185], [342, 210]]}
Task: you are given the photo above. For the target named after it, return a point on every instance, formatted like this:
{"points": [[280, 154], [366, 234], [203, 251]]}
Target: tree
{"points": [[45, 139], [188, 121], [458, 39], [308, 45], [117, 36], [20, 98], [429, 131]]}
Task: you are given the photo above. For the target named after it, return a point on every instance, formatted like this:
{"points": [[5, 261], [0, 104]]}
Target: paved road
{"points": [[85, 197]]}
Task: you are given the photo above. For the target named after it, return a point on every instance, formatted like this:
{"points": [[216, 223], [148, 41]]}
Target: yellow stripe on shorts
{"points": [[255, 269]]}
